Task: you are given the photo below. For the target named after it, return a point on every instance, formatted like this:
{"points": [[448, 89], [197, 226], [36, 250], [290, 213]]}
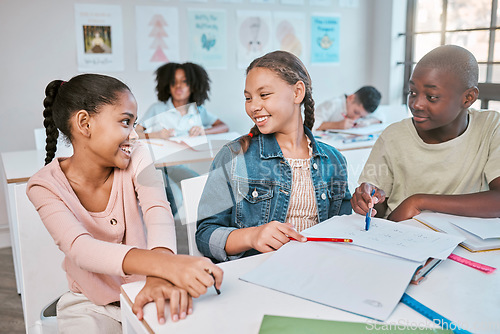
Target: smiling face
{"points": [[271, 103], [438, 102], [112, 131], [180, 90]]}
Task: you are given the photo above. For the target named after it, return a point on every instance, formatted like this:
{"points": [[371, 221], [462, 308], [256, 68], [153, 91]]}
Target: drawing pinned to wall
{"points": [[157, 36], [208, 38], [254, 32], [349, 3], [323, 3], [97, 39], [293, 2], [99, 36], [290, 33], [325, 39], [262, 1]]}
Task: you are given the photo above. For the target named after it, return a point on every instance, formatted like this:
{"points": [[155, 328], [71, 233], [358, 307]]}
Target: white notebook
{"points": [[446, 223], [361, 282]]}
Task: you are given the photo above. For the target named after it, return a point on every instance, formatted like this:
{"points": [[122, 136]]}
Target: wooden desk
{"points": [[464, 295]]}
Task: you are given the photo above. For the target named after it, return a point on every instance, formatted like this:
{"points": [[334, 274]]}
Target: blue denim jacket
{"points": [[252, 189]]}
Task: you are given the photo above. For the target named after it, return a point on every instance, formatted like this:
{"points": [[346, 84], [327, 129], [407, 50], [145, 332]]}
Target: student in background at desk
{"points": [[444, 159], [276, 181], [98, 204], [181, 89], [347, 111]]}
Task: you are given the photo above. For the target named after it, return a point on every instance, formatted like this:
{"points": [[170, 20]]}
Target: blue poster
{"points": [[325, 39], [207, 38]]}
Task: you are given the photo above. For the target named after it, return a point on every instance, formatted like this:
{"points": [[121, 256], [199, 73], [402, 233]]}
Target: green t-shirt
{"points": [[402, 164]]}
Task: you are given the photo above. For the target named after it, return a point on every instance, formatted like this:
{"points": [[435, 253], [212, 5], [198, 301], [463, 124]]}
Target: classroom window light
{"points": [[474, 25]]}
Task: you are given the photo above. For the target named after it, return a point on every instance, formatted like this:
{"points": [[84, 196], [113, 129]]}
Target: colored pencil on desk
{"points": [[152, 143], [325, 239]]}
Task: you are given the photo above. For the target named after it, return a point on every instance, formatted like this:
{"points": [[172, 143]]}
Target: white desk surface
{"points": [[462, 294]]}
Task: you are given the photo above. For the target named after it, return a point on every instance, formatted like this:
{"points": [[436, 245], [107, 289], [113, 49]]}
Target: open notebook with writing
{"points": [[457, 225], [367, 278]]}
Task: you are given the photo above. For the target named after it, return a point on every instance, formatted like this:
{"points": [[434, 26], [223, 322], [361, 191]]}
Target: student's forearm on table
{"points": [[484, 204], [217, 127], [239, 240], [151, 135], [145, 262], [329, 125]]}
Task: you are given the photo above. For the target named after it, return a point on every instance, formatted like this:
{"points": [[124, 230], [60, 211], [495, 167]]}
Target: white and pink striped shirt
{"points": [[303, 210]]}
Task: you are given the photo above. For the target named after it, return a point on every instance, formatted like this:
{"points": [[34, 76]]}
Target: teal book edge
{"points": [[272, 324]]}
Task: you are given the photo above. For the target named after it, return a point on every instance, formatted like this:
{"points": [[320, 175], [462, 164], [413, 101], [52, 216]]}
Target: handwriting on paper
{"points": [[405, 241]]}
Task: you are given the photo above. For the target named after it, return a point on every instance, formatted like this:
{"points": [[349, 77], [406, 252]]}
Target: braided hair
{"points": [[62, 99], [290, 69]]}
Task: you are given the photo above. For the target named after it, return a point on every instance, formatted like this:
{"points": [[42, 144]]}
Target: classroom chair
{"points": [[42, 277], [191, 193]]}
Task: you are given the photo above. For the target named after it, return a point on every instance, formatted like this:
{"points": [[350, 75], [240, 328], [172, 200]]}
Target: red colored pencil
{"points": [[325, 239]]}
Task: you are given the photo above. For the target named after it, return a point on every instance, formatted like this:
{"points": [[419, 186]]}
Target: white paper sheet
{"points": [[190, 141], [338, 276], [405, 241], [485, 228], [365, 130], [444, 223], [197, 142]]}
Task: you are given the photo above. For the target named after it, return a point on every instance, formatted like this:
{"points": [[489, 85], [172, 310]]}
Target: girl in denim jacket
{"points": [[266, 187]]}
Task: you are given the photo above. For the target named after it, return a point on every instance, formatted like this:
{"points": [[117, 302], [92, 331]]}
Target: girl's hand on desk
{"points": [[196, 131], [271, 236], [361, 200], [193, 273], [408, 209], [167, 133], [158, 290], [346, 123]]}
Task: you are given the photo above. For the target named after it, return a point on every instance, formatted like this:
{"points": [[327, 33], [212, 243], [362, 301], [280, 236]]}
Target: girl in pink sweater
{"points": [[105, 207]]}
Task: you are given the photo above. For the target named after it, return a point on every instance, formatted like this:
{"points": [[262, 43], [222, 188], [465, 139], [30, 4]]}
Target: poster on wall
{"points": [[208, 38], [325, 39], [293, 2], [262, 1], [254, 37], [157, 36], [290, 33], [323, 3], [99, 38]]}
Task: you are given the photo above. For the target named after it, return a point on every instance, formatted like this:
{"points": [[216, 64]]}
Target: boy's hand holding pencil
{"points": [[362, 200]]}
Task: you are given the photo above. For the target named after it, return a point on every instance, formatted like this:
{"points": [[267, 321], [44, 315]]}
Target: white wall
{"points": [[388, 48], [38, 45]]}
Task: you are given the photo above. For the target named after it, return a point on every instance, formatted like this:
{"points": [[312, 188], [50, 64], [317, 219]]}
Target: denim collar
{"points": [[269, 147]]}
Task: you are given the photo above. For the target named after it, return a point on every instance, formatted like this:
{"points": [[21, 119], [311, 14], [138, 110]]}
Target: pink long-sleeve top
{"points": [[137, 215]]}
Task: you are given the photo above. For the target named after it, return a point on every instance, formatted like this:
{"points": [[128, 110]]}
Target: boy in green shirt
{"points": [[446, 158]]}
